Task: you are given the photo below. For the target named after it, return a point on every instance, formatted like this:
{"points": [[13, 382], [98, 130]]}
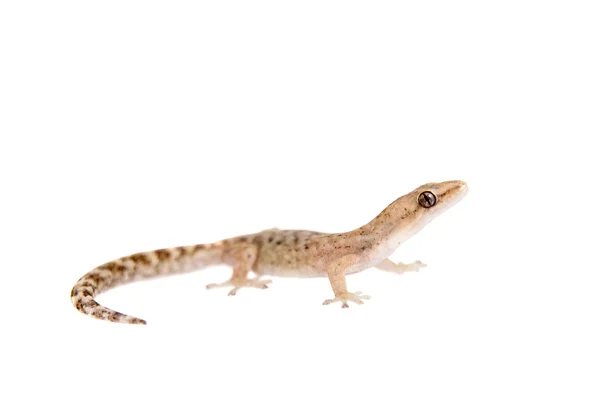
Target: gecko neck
{"points": [[391, 227]]}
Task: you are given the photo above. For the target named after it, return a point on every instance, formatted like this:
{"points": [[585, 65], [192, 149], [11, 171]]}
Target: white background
{"points": [[133, 125]]}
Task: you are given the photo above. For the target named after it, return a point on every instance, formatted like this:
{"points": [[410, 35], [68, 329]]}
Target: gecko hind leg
{"points": [[241, 283], [400, 268], [241, 258]]}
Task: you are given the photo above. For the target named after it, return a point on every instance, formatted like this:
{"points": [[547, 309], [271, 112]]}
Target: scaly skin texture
{"points": [[282, 253]]}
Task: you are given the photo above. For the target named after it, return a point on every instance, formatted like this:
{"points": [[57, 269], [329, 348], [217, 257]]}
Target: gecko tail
{"points": [[135, 267], [90, 307]]}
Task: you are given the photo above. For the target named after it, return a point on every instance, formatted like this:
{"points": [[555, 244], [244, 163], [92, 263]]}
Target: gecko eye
{"points": [[427, 199]]}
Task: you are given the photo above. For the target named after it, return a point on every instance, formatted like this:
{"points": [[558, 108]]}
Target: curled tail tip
{"points": [[115, 316], [90, 307], [136, 321]]}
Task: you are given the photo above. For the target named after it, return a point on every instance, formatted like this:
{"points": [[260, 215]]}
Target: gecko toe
{"points": [[344, 298]]}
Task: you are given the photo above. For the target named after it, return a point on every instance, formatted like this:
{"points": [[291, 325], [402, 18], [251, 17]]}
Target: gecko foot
{"points": [[411, 267], [344, 298], [241, 283], [400, 268]]}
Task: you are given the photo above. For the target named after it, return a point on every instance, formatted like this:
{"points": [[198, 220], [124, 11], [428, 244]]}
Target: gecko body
{"points": [[287, 253]]}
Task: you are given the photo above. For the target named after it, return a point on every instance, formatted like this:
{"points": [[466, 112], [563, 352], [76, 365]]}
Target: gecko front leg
{"points": [[336, 274], [241, 258], [400, 268]]}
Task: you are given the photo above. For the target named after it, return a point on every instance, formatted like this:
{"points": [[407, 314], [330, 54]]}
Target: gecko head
{"points": [[432, 199], [417, 208]]}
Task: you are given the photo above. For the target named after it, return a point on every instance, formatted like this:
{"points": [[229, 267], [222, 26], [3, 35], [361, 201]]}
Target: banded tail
{"points": [[135, 267]]}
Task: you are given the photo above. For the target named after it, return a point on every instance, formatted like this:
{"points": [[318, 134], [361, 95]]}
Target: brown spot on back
{"points": [[199, 247], [140, 258], [185, 251], [162, 254]]}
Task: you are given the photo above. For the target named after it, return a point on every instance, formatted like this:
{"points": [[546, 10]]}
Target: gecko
{"points": [[283, 253]]}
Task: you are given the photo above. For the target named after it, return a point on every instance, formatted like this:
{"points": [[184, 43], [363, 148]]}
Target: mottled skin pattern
{"points": [[282, 253]]}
